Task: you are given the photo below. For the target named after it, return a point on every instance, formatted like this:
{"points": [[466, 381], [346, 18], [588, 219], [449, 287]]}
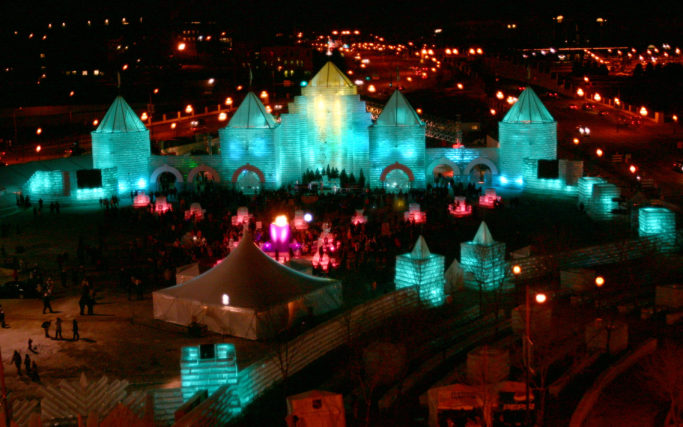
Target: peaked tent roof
{"points": [[251, 279], [420, 250], [120, 118], [398, 112], [251, 114], [528, 109], [332, 77], [483, 236]]}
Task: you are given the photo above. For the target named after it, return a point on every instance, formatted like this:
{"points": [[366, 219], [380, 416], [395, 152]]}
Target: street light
{"points": [[643, 111], [500, 95], [189, 109], [579, 92], [599, 152], [599, 282]]}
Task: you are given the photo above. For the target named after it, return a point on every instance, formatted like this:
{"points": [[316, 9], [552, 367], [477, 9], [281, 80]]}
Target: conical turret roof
{"points": [[398, 112], [420, 250], [330, 76], [528, 109], [120, 118], [483, 236], [251, 114]]}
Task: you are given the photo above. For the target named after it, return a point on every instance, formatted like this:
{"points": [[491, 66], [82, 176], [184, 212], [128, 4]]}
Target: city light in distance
{"points": [[617, 102], [189, 109], [643, 111], [95, 122], [173, 125], [500, 95], [222, 117], [228, 101], [576, 141], [372, 88], [579, 92], [38, 148], [155, 91], [541, 298], [39, 131], [597, 97], [599, 281], [263, 94], [212, 81], [460, 86], [492, 111], [516, 269], [599, 152], [181, 46], [418, 110], [632, 169], [71, 93], [144, 116]]}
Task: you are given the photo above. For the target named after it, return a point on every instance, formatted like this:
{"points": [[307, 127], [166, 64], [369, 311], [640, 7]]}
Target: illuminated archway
{"points": [[153, 179], [208, 171], [481, 161], [248, 167], [395, 166], [444, 166]]}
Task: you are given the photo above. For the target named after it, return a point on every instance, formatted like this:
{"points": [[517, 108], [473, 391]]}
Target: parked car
{"points": [[573, 107]]}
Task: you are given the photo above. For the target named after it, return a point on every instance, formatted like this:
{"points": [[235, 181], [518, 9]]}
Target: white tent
{"points": [[248, 295]]}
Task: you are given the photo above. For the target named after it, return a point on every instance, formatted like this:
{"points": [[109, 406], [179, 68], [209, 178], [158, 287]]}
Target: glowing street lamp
{"points": [[222, 117], [632, 169], [492, 111], [617, 102], [38, 148], [460, 86], [541, 298], [599, 152], [372, 89], [39, 131], [643, 111], [500, 95], [579, 92], [181, 46], [263, 94], [516, 270], [576, 141], [95, 122], [189, 109], [597, 97], [599, 281], [228, 101], [144, 116]]}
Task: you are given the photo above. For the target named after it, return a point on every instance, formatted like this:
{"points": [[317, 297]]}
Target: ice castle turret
{"points": [[122, 141], [527, 131], [423, 269], [249, 146], [328, 124], [398, 136], [484, 259]]}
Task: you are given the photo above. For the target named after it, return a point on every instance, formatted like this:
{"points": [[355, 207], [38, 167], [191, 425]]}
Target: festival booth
{"points": [[247, 295], [489, 199], [141, 201], [301, 220], [459, 208], [316, 408], [326, 250], [195, 212], [414, 214], [456, 402]]}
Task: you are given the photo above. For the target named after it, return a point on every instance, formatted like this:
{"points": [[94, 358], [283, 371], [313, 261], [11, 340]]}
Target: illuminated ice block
{"points": [[657, 221], [242, 217], [489, 198], [414, 214], [359, 218], [195, 212], [48, 185], [300, 222], [484, 259], [207, 367], [141, 201], [423, 269], [460, 208], [121, 140], [161, 205]]}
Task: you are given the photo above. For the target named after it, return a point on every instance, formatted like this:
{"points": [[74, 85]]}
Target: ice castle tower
{"points": [[122, 141], [249, 146], [423, 269], [484, 259], [527, 132], [398, 136]]}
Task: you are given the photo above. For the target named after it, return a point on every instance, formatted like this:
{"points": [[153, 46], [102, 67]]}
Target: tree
{"points": [[343, 178], [361, 179]]}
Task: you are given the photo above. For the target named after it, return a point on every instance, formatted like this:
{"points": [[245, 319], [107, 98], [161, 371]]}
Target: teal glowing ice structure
{"points": [[326, 125], [398, 136], [210, 372], [252, 138], [657, 221], [484, 259], [569, 172], [48, 185], [598, 197], [422, 269], [122, 141], [527, 131]]}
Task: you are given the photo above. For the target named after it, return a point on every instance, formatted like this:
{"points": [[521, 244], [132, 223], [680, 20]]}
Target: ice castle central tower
{"points": [[527, 133], [334, 123], [121, 141]]}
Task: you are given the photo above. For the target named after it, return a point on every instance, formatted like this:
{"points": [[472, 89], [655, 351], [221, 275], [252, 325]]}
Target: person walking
{"points": [[76, 336], [46, 301], [30, 345], [2, 317], [58, 329], [27, 364], [16, 359], [46, 328]]}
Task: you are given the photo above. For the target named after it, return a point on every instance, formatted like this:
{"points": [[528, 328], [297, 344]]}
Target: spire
{"points": [[330, 76], [420, 250], [528, 109], [251, 114], [120, 118], [398, 112], [483, 236]]}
